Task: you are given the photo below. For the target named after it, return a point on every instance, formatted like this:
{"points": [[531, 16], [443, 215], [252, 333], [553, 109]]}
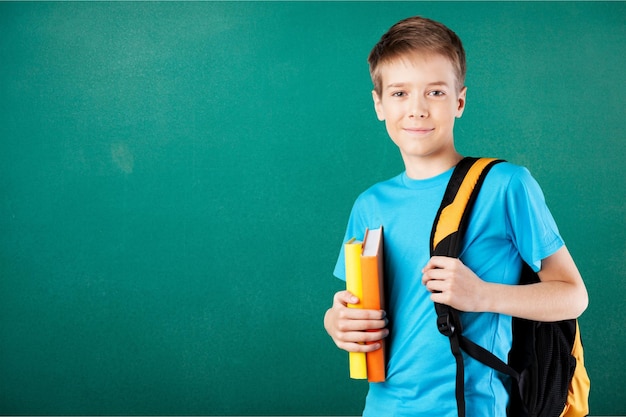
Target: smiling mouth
{"points": [[418, 130]]}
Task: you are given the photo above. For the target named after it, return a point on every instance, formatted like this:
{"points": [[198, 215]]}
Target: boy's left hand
{"points": [[452, 283]]}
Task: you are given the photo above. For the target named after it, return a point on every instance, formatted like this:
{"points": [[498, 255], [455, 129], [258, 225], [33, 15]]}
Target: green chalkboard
{"points": [[175, 178]]}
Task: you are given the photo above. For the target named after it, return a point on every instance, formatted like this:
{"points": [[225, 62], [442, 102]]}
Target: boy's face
{"points": [[419, 102]]}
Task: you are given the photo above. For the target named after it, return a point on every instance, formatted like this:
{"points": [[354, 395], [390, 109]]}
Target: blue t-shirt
{"points": [[510, 222]]}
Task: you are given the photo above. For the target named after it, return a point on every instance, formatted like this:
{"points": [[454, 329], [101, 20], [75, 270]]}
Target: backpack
{"points": [[546, 363]]}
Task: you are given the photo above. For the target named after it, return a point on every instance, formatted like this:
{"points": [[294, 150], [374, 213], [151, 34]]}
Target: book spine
{"points": [[353, 249]]}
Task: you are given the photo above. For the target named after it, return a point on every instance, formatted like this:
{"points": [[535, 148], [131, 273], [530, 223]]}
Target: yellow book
{"points": [[353, 249]]}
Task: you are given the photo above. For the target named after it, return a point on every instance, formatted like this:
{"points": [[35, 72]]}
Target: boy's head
{"points": [[417, 35]]}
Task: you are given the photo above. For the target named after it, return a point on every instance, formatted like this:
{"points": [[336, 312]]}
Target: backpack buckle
{"points": [[445, 325]]}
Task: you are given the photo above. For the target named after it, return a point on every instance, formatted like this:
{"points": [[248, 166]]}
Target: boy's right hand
{"points": [[350, 328]]}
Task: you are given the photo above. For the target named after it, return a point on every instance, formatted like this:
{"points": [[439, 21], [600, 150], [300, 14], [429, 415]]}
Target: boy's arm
{"points": [[560, 295], [351, 327]]}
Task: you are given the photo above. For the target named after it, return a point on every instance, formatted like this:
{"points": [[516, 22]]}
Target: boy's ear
{"points": [[461, 102], [378, 106]]}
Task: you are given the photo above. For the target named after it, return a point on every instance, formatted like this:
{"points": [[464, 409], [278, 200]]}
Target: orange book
{"points": [[372, 271]]}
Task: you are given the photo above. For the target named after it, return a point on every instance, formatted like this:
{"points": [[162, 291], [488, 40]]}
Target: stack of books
{"points": [[364, 278]]}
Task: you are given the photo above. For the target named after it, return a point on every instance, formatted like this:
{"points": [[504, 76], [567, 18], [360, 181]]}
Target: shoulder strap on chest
{"points": [[446, 240]]}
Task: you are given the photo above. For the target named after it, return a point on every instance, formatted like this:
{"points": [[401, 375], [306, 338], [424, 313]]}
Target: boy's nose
{"points": [[418, 109]]}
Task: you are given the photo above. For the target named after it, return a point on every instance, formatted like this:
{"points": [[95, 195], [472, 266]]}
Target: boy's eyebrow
{"points": [[396, 85], [404, 84]]}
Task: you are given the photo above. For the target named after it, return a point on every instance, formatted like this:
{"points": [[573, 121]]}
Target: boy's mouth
{"points": [[418, 130]]}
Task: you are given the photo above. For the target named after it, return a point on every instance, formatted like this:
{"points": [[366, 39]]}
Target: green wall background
{"points": [[175, 180]]}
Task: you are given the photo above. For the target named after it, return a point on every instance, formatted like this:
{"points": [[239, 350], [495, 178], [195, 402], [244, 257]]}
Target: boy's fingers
{"points": [[360, 347], [438, 262], [435, 286], [350, 324], [365, 336], [434, 274], [355, 329], [371, 315], [345, 298]]}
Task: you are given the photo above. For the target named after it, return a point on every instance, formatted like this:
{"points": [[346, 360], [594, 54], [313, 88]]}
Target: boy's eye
{"points": [[398, 94], [436, 93]]}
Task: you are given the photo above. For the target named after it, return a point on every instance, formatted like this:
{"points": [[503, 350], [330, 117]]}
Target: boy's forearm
{"points": [[560, 295], [544, 301]]}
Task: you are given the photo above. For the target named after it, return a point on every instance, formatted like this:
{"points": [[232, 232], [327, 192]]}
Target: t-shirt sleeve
{"points": [[355, 229], [532, 226]]}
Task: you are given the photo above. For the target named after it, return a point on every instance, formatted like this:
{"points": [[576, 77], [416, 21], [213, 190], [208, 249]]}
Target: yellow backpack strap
{"points": [[457, 202], [445, 240]]}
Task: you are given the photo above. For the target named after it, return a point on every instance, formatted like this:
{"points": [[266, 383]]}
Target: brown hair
{"points": [[417, 34]]}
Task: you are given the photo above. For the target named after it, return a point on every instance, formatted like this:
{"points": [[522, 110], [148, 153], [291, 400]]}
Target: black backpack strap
{"points": [[446, 238]]}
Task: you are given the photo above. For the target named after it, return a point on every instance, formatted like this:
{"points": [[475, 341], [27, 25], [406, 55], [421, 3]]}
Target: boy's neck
{"points": [[431, 166]]}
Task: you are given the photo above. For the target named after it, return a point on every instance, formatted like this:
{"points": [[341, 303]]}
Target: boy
{"points": [[418, 71]]}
